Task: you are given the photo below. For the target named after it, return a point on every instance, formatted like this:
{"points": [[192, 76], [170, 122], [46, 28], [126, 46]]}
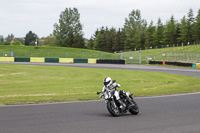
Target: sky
{"points": [[18, 17]]}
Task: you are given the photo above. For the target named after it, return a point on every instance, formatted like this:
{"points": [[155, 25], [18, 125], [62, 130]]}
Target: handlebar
{"points": [[99, 93]]}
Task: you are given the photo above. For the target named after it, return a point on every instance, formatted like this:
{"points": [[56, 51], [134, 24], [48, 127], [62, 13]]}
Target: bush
{"points": [[16, 42]]}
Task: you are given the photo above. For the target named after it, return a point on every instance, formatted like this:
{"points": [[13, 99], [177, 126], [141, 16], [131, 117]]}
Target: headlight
{"points": [[128, 93], [106, 96]]}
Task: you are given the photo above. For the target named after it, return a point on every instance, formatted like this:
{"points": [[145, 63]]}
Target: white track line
{"points": [[172, 95], [22, 105]]}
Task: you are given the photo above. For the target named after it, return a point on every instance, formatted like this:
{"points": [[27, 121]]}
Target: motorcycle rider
{"points": [[109, 86]]}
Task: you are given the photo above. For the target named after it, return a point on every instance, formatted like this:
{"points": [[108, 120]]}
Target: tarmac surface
{"points": [[158, 114], [182, 71]]}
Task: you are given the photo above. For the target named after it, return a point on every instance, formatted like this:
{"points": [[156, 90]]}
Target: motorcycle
{"points": [[116, 107]]}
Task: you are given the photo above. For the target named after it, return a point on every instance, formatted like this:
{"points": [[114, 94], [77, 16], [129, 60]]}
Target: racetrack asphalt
{"points": [[161, 114], [182, 71]]}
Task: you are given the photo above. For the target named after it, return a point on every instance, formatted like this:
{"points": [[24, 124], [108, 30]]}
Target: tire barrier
{"points": [[194, 65], [7, 59], [156, 62], [198, 65], [22, 59], [52, 60], [110, 61], [33, 59], [66, 60], [80, 60], [92, 61]]}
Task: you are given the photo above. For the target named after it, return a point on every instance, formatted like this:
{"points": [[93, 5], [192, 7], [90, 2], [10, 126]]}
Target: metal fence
{"points": [[132, 58], [192, 57], [59, 54]]}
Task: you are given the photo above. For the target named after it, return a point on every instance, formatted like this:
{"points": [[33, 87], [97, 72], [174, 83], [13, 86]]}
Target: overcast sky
{"points": [[20, 16]]}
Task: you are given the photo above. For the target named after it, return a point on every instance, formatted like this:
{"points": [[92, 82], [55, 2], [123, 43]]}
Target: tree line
{"points": [[135, 34], [31, 39]]}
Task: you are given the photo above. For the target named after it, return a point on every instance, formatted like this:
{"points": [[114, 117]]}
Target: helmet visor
{"points": [[106, 83]]}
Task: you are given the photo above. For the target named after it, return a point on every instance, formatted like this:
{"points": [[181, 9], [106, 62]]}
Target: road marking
{"points": [[172, 95], [147, 97]]}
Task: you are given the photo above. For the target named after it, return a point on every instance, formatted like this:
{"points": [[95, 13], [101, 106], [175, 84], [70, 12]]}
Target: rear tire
{"points": [[112, 110], [135, 109]]}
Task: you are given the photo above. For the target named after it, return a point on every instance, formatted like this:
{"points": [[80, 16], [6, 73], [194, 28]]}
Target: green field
{"points": [[157, 53], [21, 84], [55, 52], [66, 52]]}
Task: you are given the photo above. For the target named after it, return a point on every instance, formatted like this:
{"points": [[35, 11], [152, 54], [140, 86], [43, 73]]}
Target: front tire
{"points": [[135, 109], [114, 111]]}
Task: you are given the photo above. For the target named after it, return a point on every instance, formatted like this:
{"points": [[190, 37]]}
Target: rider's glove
{"points": [[118, 85], [101, 96]]}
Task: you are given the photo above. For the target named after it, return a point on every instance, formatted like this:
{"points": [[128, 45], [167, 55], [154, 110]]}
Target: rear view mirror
{"points": [[114, 81]]}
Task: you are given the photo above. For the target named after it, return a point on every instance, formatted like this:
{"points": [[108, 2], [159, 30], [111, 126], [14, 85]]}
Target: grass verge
{"points": [[55, 52], [21, 84]]}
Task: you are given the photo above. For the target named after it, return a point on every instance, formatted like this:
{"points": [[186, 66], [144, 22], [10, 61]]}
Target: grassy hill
{"points": [[175, 53], [55, 52], [184, 53]]}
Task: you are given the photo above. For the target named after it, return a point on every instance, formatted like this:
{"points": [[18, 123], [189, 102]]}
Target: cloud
{"points": [[20, 16]]}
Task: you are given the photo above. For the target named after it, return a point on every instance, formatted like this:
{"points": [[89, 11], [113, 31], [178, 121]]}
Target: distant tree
{"points": [[68, 31], [134, 28], [79, 42], [16, 42], [178, 33], [1, 40], [149, 34], [142, 30], [119, 40], [109, 35], [30, 39], [197, 28], [102, 40], [122, 39], [116, 41], [169, 34], [9, 39], [90, 44], [183, 36], [158, 34], [136, 39], [98, 42], [49, 41], [92, 39], [21, 40], [190, 26]]}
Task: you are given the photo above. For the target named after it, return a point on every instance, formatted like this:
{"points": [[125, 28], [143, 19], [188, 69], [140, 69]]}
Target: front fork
{"points": [[112, 102]]}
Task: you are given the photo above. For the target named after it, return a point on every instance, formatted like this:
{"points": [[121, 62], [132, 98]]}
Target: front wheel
{"points": [[113, 109], [134, 109]]}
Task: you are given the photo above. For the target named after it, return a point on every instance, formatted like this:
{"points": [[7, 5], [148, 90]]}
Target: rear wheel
{"points": [[134, 109], [113, 109]]}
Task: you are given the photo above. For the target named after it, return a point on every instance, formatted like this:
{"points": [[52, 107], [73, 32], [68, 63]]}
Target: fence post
{"points": [[140, 57], [11, 53], [121, 56], [66, 53], [31, 52]]}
